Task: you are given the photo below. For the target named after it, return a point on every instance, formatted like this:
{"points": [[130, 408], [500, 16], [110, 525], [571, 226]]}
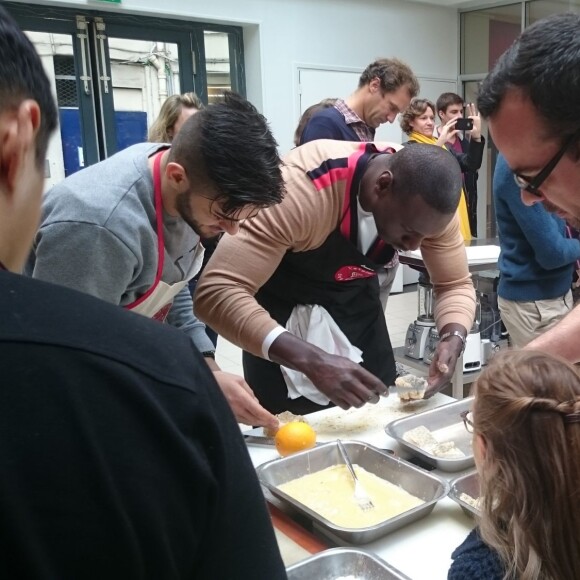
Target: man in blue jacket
{"points": [[536, 262], [384, 90]]}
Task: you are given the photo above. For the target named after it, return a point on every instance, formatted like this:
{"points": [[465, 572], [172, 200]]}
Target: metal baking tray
{"points": [[340, 562], [446, 425], [416, 481], [468, 484]]}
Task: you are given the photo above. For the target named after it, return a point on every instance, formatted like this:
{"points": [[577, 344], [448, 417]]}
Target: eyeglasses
{"points": [[467, 417], [533, 185]]}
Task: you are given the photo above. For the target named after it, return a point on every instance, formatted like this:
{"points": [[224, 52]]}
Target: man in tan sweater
{"points": [[348, 208]]}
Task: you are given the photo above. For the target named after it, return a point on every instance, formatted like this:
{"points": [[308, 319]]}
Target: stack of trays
{"points": [[412, 479], [338, 562], [445, 424]]}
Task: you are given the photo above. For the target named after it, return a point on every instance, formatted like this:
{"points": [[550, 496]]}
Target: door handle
{"points": [[82, 35], [101, 38]]}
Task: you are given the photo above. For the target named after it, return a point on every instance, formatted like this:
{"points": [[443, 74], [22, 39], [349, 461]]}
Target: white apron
{"points": [[157, 301]]}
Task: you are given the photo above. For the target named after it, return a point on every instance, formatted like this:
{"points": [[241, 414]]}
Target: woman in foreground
{"points": [[526, 424]]}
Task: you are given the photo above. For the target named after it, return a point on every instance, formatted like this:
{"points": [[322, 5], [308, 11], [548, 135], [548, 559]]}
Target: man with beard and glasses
{"points": [[536, 262], [530, 100], [127, 230]]}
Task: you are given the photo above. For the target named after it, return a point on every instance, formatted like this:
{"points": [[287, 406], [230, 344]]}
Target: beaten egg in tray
{"points": [[415, 490]]}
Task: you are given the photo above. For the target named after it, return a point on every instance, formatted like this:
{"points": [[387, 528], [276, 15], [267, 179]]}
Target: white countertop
{"points": [[421, 550], [476, 255]]}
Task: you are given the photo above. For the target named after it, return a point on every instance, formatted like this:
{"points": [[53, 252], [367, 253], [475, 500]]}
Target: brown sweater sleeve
{"points": [[446, 262], [242, 264]]}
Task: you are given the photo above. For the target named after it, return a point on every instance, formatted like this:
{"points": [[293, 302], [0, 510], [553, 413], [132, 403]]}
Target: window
{"points": [[486, 34]]}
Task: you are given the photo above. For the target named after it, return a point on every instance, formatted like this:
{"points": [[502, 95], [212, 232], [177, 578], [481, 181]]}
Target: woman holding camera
{"points": [[418, 122], [525, 421]]}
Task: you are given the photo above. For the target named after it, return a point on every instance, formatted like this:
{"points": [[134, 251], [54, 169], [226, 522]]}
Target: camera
{"points": [[463, 124]]}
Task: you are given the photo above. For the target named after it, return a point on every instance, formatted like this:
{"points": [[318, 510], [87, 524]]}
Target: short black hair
{"points": [[22, 77], [429, 171], [229, 147], [544, 63], [446, 100]]}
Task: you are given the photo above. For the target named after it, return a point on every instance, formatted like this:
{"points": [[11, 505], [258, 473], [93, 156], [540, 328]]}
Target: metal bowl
{"points": [[337, 562], [446, 425], [412, 479], [468, 484]]}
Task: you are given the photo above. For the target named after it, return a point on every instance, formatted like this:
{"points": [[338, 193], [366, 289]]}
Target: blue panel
{"points": [[70, 133], [131, 128]]}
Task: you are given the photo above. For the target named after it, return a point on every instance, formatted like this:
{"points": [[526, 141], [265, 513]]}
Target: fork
{"points": [[360, 495]]}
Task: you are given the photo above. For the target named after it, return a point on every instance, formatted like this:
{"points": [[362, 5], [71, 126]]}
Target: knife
{"points": [[259, 440], [266, 441]]}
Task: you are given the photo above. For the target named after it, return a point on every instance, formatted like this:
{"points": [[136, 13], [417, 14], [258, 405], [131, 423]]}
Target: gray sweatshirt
{"points": [[98, 235]]}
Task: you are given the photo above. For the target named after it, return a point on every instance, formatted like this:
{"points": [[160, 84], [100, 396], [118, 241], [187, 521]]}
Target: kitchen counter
{"points": [[421, 550]]}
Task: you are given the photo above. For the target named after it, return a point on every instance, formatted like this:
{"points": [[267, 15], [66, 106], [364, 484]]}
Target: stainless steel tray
{"points": [[468, 484], [416, 481], [337, 562], [446, 424]]}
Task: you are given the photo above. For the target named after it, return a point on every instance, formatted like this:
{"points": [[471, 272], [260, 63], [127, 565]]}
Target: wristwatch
{"points": [[208, 354], [446, 335]]}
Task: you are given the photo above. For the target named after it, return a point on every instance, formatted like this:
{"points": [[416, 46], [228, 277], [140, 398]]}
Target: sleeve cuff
{"points": [[270, 338]]}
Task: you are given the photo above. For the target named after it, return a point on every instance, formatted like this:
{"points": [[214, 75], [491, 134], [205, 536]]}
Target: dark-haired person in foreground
{"points": [[127, 230], [120, 457], [531, 99], [348, 208]]}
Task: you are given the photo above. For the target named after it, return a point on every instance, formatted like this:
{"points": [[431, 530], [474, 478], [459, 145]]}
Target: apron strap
{"points": [[160, 238]]}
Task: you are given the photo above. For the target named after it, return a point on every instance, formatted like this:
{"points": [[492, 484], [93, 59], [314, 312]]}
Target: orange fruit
{"points": [[293, 437]]}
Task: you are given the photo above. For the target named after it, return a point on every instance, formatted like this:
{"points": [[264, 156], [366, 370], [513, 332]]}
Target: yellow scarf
{"points": [[462, 209]]}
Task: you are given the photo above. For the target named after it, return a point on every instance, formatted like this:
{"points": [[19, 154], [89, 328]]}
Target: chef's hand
{"points": [[243, 402], [443, 364], [344, 382]]}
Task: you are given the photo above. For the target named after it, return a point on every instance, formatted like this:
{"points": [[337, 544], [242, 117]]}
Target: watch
{"points": [[451, 333], [208, 354]]}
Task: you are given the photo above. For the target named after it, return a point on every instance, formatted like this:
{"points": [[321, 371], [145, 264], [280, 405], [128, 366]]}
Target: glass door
{"points": [[110, 75], [64, 53], [137, 70]]}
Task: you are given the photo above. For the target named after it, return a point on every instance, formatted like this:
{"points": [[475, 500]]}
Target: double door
{"points": [[111, 74]]}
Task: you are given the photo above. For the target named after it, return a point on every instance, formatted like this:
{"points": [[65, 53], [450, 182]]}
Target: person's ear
{"points": [[18, 130], [375, 85], [177, 176], [385, 183]]}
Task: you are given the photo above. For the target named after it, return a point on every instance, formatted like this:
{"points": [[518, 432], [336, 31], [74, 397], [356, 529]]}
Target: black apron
{"points": [[340, 278]]}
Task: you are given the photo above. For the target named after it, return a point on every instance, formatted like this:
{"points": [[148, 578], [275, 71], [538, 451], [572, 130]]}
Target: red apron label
{"points": [[161, 315], [347, 273]]}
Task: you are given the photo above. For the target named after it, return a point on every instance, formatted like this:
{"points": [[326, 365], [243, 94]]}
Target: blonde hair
{"points": [[527, 410], [415, 109], [161, 130]]}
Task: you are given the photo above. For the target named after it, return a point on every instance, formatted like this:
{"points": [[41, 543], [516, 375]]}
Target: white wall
{"points": [[280, 34]]}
